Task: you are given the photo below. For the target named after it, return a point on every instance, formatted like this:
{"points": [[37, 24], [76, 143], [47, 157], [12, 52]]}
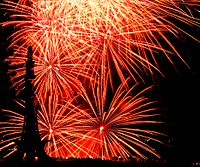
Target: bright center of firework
{"points": [[101, 129], [50, 131]]}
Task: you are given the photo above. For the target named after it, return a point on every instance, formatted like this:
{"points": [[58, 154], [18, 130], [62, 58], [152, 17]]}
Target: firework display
{"points": [[91, 130], [91, 38], [86, 52], [115, 128]]}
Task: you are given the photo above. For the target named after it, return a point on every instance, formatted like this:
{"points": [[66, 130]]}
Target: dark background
{"points": [[178, 94]]}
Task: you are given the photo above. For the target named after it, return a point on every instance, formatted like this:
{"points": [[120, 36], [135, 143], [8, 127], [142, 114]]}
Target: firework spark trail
{"points": [[10, 131], [115, 129], [102, 34], [58, 123], [58, 75], [95, 40], [94, 130], [57, 69]]}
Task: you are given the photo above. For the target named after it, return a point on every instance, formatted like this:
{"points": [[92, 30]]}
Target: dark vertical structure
{"points": [[31, 147]]}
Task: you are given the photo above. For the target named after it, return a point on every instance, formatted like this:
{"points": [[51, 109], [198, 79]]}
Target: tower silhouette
{"points": [[30, 148]]}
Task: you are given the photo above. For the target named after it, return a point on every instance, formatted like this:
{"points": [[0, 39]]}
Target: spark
{"points": [[80, 48], [100, 34], [115, 129], [83, 127]]}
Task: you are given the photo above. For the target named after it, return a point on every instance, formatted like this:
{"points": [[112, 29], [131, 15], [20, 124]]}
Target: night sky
{"points": [[178, 94]]}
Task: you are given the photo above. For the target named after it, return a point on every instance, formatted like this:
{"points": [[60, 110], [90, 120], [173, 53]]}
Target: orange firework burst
{"points": [[58, 124], [102, 41], [91, 130], [115, 129], [54, 75], [100, 33]]}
